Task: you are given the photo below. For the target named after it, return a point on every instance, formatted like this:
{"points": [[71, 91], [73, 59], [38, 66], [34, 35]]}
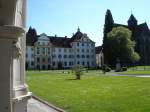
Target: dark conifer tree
{"points": [[34, 34], [31, 35], [109, 22]]}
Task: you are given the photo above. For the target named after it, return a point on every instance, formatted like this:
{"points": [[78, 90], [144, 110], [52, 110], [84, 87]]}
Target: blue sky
{"points": [[62, 17]]}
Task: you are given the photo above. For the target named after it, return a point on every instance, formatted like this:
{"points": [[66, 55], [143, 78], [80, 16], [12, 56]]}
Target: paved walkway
{"points": [[37, 106], [115, 74]]}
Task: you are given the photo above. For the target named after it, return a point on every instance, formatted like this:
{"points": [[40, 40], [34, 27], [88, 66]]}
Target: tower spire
{"points": [[78, 29], [132, 22]]}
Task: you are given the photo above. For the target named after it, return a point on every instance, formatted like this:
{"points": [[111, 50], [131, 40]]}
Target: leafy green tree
{"points": [[109, 22], [78, 71], [120, 46]]}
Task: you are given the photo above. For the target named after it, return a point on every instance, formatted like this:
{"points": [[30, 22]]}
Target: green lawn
{"points": [[93, 93], [139, 68]]}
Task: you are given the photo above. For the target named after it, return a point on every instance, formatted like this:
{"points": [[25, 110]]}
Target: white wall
{"points": [[54, 52]]}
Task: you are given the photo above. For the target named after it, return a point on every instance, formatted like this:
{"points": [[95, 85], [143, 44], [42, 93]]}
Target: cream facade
{"points": [[51, 52], [99, 56]]}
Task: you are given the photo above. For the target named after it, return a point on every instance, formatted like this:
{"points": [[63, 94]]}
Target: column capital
{"points": [[11, 32]]}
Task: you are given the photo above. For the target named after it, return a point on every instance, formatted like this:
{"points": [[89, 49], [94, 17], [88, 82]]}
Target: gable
{"points": [[43, 37], [85, 38]]}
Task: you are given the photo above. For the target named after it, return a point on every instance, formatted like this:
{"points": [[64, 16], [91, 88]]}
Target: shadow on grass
{"points": [[71, 79]]}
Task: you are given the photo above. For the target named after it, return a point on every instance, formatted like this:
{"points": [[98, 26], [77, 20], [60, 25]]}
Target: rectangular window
{"points": [[65, 63], [59, 50], [48, 50], [92, 56], [69, 56], [87, 56], [93, 63], [43, 50], [65, 56], [38, 59], [83, 63], [88, 64], [32, 55], [70, 63], [49, 59], [70, 50], [53, 56], [87, 51], [43, 59], [32, 63], [82, 50], [53, 63], [83, 56], [87, 44], [78, 56], [65, 50], [38, 50], [53, 49]]}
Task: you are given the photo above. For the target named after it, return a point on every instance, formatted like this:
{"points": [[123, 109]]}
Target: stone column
{"points": [[14, 93]]}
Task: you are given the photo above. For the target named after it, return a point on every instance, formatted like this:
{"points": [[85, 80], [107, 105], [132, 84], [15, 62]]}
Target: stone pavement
{"points": [[37, 106]]}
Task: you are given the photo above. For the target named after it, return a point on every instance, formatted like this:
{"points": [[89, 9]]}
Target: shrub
{"points": [[78, 71], [106, 68], [124, 68]]}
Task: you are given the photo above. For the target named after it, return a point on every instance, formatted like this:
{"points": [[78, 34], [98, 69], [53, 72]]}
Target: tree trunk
{"points": [[78, 77]]}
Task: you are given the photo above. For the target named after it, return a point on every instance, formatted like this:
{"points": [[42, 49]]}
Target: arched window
{"points": [[59, 56]]}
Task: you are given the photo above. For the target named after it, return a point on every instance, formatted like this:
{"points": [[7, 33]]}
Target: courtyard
{"points": [[95, 92]]}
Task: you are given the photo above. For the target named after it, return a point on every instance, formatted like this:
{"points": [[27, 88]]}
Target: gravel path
{"points": [[114, 74], [37, 106]]}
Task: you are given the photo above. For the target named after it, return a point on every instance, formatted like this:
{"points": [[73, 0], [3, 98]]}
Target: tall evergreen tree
{"points": [[109, 22], [31, 35]]}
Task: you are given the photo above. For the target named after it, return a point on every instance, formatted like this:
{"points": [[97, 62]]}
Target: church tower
{"points": [[132, 22]]}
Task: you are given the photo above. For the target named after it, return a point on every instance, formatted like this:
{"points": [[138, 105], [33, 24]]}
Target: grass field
{"points": [[93, 93], [136, 72]]}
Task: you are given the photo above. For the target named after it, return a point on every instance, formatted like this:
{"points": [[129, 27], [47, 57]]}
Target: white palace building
{"points": [[51, 52]]}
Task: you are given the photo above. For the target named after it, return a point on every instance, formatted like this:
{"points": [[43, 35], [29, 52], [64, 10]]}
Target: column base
{"points": [[20, 103], [20, 91]]}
